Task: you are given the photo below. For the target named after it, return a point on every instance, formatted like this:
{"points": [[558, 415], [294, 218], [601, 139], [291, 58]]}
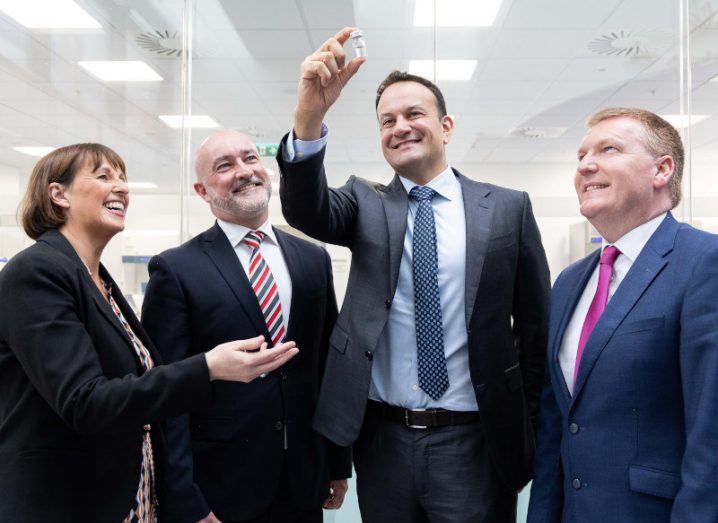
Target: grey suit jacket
{"points": [[507, 289]]}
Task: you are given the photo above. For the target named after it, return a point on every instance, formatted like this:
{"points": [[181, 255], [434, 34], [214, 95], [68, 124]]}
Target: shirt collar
{"points": [[235, 232], [632, 243], [446, 184]]}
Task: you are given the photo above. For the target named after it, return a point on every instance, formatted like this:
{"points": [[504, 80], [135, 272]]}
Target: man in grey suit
{"points": [[437, 359]]}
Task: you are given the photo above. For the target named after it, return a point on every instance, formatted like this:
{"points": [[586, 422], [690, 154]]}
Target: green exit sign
{"points": [[267, 149]]}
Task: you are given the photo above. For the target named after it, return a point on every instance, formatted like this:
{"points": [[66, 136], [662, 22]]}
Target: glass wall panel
{"points": [[700, 186], [107, 83]]}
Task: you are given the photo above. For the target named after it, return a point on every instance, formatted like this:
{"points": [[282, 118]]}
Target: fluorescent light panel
{"points": [[49, 14], [141, 185], [460, 70], [681, 120], [120, 71], [456, 13], [193, 121], [34, 150]]}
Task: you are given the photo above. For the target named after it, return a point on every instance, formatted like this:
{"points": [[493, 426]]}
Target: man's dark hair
{"points": [[401, 76]]}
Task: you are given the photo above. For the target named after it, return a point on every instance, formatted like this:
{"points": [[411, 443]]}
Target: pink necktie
{"points": [[608, 257]]}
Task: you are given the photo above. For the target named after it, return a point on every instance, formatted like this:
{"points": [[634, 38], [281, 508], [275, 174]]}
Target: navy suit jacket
{"points": [[638, 441], [228, 457]]}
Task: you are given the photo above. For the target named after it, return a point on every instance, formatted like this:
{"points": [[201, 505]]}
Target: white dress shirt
{"points": [[272, 254], [630, 244]]}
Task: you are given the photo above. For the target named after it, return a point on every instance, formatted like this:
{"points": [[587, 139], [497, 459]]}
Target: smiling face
{"points": [[96, 201], [619, 183], [233, 180], [413, 134]]}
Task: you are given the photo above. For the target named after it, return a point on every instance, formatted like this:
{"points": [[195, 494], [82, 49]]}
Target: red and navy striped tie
{"points": [[264, 286]]}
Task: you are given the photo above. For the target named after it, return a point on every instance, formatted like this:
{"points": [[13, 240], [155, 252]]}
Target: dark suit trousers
{"points": [[442, 474], [283, 508]]}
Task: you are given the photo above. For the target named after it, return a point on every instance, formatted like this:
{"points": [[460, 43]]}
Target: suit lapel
{"points": [[396, 207], [58, 241], [479, 212], [130, 318], [107, 311], [648, 265], [220, 252], [575, 291], [295, 266]]}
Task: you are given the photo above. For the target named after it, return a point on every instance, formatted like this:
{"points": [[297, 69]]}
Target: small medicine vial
{"points": [[358, 43]]}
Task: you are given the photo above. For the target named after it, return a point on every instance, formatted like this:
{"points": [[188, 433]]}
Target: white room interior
{"points": [[534, 72]]}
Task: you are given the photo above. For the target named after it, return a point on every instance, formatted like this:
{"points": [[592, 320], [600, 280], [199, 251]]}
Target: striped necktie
{"points": [[264, 286]]}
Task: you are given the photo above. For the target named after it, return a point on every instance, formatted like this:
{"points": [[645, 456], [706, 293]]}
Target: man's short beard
{"points": [[237, 207]]}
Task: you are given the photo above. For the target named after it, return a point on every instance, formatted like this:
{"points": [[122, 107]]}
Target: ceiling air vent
{"points": [[163, 43], [643, 43], [538, 132]]}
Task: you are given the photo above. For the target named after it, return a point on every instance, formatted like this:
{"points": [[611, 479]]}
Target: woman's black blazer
{"points": [[73, 398]]}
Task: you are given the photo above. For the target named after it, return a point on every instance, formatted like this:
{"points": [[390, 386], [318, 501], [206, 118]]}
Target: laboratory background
{"points": [[152, 78]]}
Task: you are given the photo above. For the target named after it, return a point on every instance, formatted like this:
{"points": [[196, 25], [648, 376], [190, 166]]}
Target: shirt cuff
{"points": [[296, 151]]}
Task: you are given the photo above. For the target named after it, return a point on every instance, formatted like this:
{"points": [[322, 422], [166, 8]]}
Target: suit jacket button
{"points": [[573, 428], [369, 355], [387, 303], [278, 425], [576, 483]]}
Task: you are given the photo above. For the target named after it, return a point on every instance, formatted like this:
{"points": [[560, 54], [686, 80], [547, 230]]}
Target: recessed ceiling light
{"points": [[34, 150], [193, 121], [49, 14], [445, 69], [714, 79], [681, 120], [121, 71], [141, 185], [456, 13]]}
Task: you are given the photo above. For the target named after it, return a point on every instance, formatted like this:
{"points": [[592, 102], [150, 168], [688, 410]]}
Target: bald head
{"points": [[226, 140], [232, 179]]}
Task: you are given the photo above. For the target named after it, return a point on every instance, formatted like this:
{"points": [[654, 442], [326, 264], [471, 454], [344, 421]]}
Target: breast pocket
{"points": [[501, 241], [645, 324], [339, 339]]}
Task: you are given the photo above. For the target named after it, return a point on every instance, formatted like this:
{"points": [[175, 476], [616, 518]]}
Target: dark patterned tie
{"points": [[264, 286], [433, 376]]}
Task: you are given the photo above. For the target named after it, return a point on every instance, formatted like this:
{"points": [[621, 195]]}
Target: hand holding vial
{"points": [[323, 75]]}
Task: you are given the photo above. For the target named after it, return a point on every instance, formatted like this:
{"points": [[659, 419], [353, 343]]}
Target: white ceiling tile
{"points": [[333, 14], [602, 71], [282, 44], [270, 70], [258, 15], [539, 43], [521, 70], [644, 14], [372, 14], [559, 14], [216, 70]]}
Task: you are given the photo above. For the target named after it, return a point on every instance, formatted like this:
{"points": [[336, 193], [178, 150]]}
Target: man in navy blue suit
{"points": [[628, 426], [251, 456]]}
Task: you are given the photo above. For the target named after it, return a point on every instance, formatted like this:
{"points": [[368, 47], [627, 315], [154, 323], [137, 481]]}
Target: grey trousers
{"points": [[434, 475]]}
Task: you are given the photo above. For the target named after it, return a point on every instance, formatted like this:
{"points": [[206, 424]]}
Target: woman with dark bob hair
{"points": [[82, 390]]}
